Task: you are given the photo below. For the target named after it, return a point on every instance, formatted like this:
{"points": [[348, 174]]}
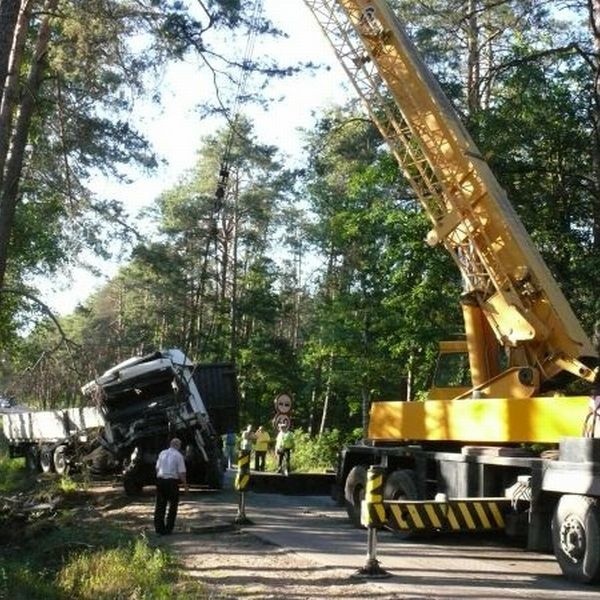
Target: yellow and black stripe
{"points": [[469, 514], [372, 510], [242, 479]]}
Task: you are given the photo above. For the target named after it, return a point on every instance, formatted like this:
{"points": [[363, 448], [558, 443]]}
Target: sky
{"points": [[175, 128]]}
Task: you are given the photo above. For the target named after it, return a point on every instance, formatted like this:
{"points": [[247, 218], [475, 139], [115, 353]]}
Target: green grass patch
{"points": [[74, 553], [13, 474], [134, 570]]}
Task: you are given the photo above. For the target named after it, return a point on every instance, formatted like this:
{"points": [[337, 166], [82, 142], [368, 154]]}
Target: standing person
{"points": [[229, 443], [170, 471], [284, 444], [261, 445]]}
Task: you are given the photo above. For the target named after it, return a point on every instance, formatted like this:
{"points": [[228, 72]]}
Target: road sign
{"points": [[283, 404], [279, 418]]}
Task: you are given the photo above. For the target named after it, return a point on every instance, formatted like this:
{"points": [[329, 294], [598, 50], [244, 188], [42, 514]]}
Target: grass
{"points": [[13, 475], [74, 553]]}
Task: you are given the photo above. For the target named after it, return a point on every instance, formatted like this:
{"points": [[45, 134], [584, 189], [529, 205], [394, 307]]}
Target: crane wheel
{"points": [[576, 537], [354, 493], [401, 485]]}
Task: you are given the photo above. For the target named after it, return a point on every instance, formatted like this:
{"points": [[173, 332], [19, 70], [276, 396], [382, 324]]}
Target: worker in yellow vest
{"points": [[284, 444], [261, 445]]}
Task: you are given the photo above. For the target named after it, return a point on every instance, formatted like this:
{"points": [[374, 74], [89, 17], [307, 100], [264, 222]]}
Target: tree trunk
{"points": [[366, 407], [327, 398], [9, 190], [9, 11], [10, 82], [594, 14], [473, 64]]}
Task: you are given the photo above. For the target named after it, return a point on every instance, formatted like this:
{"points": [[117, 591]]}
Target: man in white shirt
{"points": [[170, 471]]}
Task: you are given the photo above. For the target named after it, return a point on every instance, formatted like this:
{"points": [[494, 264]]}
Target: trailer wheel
{"points": [[32, 459], [46, 459], [61, 465], [576, 537], [354, 493]]}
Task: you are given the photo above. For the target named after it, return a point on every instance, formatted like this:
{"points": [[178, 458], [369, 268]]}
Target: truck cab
{"points": [[147, 400]]}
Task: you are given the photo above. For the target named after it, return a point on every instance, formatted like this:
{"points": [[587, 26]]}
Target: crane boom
{"points": [[503, 272]]}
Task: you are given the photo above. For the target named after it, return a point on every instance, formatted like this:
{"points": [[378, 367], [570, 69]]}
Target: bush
{"points": [[319, 453]]}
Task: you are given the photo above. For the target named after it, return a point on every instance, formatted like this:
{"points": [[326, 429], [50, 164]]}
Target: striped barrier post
{"points": [[242, 479], [373, 517]]}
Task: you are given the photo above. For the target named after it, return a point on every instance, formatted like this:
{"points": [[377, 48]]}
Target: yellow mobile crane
{"points": [[467, 440]]}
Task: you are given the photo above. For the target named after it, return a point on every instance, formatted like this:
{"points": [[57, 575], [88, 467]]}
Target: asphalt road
{"points": [[444, 567]]}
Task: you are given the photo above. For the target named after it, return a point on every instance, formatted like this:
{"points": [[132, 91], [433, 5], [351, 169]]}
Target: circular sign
{"points": [[279, 419], [283, 404]]}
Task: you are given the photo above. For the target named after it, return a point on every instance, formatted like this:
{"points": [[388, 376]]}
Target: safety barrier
{"points": [[373, 517], [466, 514], [242, 481], [440, 515]]}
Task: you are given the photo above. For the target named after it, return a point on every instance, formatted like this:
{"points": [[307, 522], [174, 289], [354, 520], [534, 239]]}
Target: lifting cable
{"points": [[232, 116], [245, 68]]}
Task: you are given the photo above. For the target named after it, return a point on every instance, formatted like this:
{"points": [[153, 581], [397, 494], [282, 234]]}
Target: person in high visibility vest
{"points": [[261, 445], [284, 444]]}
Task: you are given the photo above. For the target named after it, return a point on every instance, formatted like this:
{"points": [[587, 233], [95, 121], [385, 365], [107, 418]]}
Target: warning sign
{"points": [[279, 418], [283, 404], [283, 410]]}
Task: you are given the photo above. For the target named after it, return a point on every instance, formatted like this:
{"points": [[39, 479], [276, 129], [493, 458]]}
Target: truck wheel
{"points": [[32, 459], [576, 537], [61, 465], [46, 459], [401, 485], [354, 493]]}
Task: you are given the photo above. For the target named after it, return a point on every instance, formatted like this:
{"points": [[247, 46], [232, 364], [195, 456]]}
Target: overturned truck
{"points": [[147, 400], [136, 407]]}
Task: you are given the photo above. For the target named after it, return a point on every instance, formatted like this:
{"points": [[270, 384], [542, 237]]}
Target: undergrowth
{"points": [[70, 552]]}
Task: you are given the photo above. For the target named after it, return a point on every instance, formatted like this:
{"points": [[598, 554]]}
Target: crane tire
{"points": [[576, 537], [354, 493], [401, 485]]}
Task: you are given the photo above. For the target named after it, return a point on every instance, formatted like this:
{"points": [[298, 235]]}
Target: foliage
{"points": [[317, 282], [319, 453], [71, 556], [87, 65]]}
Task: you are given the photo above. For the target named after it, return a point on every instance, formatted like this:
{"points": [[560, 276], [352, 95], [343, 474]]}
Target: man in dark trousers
{"points": [[170, 471]]}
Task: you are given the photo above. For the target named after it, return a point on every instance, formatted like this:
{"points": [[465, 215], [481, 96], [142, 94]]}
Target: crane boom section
{"points": [[471, 215]]}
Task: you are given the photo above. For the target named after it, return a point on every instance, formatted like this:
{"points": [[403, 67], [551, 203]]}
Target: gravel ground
{"points": [[231, 561]]}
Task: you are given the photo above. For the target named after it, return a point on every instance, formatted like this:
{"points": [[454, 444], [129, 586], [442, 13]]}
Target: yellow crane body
{"points": [[544, 420]]}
